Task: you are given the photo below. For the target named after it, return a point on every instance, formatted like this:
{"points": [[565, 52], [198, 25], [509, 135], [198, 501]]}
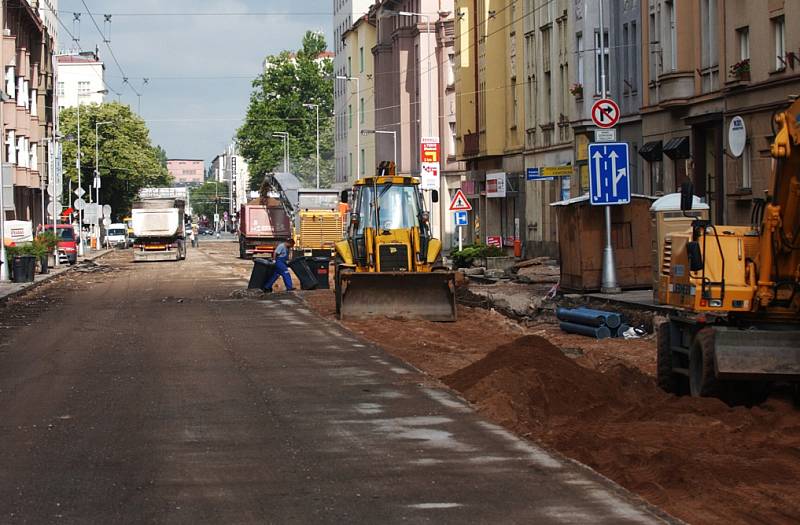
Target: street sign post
{"points": [[605, 135], [609, 182], [460, 202], [605, 113], [460, 205]]}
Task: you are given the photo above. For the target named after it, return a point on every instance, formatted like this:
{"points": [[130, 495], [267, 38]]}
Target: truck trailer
{"points": [[263, 224], [158, 225]]}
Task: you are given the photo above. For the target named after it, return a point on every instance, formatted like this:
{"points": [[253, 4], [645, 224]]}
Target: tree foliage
{"points": [[209, 198], [277, 104], [128, 160]]}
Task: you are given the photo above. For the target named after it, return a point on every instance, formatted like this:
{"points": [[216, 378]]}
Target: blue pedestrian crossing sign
{"points": [[461, 218], [609, 180]]}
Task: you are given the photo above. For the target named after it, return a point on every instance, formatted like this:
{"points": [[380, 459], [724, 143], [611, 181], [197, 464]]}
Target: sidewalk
{"points": [[9, 289]]}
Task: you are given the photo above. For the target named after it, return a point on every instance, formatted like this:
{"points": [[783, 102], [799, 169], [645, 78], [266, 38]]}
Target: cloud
{"points": [[192, 117]]}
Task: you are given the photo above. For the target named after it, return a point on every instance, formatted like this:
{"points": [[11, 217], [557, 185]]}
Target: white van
{"points": [[117, 235]]}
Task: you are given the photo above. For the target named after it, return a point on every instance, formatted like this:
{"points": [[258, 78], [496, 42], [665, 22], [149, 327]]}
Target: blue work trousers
{"points": [[281, 270]]}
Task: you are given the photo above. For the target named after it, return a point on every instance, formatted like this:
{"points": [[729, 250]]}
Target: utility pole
{"points": [[316, 106]]}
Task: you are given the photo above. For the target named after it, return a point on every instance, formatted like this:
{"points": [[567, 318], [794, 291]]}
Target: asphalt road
{"points": [[150, 393]]}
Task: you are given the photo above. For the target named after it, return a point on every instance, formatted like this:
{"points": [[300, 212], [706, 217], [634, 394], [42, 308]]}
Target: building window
{"points": [[451, 140], [709, 52], [779, 32], [625, 66], [60, 91], [83, 88], [361, 59], [601, 53], [673, 47], [657, 177], [548, 99], [350, 116], [361, 167], [349, 66], [515, 104], [579, 47], [747, 175], [743, 35], [350, 169], [361, 110]]}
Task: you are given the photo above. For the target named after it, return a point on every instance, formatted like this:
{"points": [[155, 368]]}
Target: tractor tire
{"points": [[337, 290], [666, 377], [702, 371]]}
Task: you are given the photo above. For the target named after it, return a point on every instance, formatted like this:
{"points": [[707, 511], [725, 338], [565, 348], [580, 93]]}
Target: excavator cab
{"points": [[389, 264]]}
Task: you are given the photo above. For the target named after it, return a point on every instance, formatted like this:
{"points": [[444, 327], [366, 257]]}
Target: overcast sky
{"points": [[190, 114]]}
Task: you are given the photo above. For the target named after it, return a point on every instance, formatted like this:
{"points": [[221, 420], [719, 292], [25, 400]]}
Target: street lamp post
{"points": [[97, 169], [285, 136], [384, 132], [358, 120], [78, 166], [316, 107], [3, 260]]}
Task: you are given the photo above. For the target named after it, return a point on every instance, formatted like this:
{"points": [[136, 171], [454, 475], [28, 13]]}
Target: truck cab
{"points": [[67, 242]]}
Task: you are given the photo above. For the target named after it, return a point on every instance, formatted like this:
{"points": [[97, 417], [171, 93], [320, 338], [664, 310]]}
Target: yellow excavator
{"points": [[736, 289], [389, 264]]}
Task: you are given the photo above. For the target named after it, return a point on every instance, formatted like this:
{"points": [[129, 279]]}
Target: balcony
{"points": [[675, 87]]}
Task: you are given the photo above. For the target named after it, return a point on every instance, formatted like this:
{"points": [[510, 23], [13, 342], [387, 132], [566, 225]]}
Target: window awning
{"points": [[677, 148], [651, 151]]}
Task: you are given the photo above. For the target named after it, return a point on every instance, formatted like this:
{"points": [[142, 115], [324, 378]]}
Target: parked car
{"points": [[67, 242], [117, 235]]}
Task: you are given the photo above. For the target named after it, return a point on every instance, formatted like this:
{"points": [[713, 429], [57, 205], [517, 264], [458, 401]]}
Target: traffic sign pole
{"points": [[609, 279]]}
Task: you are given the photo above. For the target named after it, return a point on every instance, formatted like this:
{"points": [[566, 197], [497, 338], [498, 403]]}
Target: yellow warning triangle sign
{"points": [[460, 202]]}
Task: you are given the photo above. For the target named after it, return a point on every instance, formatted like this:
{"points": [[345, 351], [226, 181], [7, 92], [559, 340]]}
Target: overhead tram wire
{"points": [[125, 79], [72, 36]]}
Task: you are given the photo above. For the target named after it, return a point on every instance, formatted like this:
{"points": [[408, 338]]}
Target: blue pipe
{"points": [[612, 319], [598, 332], [579, 317]]}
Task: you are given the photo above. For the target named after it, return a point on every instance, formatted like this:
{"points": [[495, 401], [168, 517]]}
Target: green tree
{"points": [[161, 153], [209, 198], [277, 104], [128, 160]]}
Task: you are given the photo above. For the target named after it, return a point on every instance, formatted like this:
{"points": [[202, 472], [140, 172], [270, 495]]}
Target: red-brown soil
{"points": [[698, 459]]}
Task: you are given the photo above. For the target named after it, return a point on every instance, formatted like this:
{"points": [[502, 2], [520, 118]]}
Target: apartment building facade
{"points": [[701, 68], [359, 106], [26, 57], [345, 13], [415, 93], [187, 172], [80, 78]]}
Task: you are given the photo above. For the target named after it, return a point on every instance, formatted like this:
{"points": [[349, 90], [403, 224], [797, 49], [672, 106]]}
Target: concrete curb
{"points": [[27, 287]]}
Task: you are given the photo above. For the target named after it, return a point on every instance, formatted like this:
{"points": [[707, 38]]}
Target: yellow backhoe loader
{"points": [[389, 264], [736, 289]]}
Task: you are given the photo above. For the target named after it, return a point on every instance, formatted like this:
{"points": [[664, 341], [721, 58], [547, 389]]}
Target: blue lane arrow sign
{"points": [[609, 181]]}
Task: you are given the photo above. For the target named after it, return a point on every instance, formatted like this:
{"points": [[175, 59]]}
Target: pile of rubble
{"points": [[539, 270]]}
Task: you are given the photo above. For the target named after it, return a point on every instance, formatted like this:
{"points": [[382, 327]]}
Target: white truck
{"points": [[158, 225]]}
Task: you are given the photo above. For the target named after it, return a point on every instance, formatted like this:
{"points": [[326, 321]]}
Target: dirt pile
{"points": [[697, 458]]}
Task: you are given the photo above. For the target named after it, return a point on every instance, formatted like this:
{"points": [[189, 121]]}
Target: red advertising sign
{"points": [[430, 150], [494, 240]]}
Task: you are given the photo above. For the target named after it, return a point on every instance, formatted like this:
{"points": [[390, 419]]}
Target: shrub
{"points": [[464, 258]]}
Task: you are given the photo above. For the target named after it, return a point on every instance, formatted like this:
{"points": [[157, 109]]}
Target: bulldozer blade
{"points": [[428, 296], [757, 354]]}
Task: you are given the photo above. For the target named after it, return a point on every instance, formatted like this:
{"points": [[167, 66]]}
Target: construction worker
{"points": [[282, 254]]}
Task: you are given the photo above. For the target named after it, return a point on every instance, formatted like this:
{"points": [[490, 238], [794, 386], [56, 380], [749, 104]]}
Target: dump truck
{"points": [[389, 264], [263, 224], [736, 289], [158, 225], [318, 223]]}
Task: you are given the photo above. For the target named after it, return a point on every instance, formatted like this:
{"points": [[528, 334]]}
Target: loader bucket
{"points": [[428, 296], [757, 354]]}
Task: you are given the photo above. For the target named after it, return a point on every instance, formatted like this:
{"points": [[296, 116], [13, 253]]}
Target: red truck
{"points": [[262, 227]]}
